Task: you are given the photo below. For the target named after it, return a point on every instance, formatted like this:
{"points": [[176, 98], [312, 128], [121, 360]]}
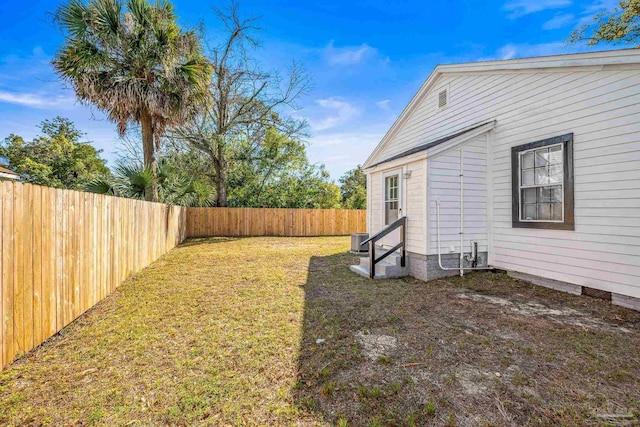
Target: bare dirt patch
{"points": [[376, 346], [559, 313]]}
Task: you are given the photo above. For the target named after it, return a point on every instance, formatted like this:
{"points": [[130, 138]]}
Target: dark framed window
{"points": [[542, 184]]}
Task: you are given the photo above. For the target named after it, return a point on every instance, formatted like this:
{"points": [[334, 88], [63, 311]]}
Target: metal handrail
{"points": [[388, 229], [399, 223]]}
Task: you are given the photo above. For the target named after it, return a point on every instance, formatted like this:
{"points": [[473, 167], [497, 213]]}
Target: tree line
{"points": [[211, 123], [275, 173]]}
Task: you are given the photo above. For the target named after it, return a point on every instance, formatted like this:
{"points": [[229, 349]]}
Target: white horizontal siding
{"points": [[414, 205], [444, 185], [374, 192], [602, 109], [507, 95]]}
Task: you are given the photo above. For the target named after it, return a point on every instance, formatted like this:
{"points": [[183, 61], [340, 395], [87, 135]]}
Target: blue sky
{"points": [[366, 59]]}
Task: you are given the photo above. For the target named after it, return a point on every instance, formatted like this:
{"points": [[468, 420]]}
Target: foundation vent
{"points": [[596, 293]]}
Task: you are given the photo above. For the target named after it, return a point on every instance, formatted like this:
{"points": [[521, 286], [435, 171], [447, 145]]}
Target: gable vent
{"points": [[442, 98]]}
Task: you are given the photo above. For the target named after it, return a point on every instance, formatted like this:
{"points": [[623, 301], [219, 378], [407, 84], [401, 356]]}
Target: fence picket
{"points": [[242, 222], [63, 251]]}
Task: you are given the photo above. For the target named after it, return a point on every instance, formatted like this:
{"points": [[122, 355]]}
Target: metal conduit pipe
{"points": [[461, 210], [461, 267]]}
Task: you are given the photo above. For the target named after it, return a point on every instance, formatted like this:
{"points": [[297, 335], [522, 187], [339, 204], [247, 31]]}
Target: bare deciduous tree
{"points": [[246, 100]]}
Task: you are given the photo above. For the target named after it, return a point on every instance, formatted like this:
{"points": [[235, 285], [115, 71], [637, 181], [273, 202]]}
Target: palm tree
{"points": [[132, 61], [134, 181]]}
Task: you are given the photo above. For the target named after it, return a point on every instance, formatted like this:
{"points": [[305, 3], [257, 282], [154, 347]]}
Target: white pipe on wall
{"points": [[442, 267], [461, 211], [461, 267]]}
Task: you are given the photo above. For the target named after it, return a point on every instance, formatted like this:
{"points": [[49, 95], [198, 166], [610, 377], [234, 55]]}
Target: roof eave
{"points": [[602, 58], [424, 89], [425, 150]]}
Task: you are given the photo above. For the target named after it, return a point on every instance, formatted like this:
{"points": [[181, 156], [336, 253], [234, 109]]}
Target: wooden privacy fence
{"points": [[63, 251], [203, 222]]}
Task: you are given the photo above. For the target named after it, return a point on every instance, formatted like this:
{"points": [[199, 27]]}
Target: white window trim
{"points": [[521, 187]]}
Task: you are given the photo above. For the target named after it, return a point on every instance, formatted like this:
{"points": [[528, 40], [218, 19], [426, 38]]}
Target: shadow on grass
{"points": [[339, 378], [196, 241], [406, 352]]}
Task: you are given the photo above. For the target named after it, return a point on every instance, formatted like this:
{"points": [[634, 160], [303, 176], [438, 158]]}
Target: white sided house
{"points": [[533, 166]]}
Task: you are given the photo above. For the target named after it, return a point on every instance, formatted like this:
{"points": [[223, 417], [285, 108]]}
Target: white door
{"points": [[392, 204]]}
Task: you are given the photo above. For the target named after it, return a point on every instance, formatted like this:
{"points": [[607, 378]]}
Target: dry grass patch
{"points": [[225, 332], [209, 334]]}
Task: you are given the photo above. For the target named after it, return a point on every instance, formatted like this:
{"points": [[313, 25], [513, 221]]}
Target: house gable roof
{"points": [[596, 60], [429, 145]]}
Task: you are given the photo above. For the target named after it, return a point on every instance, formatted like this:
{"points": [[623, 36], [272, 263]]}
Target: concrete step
{"points": [[383, 271], [388, 268], [394, 258]]}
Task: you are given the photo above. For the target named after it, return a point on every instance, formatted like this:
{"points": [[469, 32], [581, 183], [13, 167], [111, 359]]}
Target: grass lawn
{"points": [[224, 332]]}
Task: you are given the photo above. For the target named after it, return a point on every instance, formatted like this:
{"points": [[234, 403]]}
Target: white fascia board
{"points": [[394, 164], [424, 89], [591, 59], [449, 145], [433, 151]]}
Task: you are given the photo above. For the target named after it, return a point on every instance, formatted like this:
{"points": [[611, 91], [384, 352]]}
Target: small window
{"points": [[391, 199], [443, 98], [542, 180]]}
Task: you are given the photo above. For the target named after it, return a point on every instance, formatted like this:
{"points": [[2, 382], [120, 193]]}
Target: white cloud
{"points": [[384, 104], [599, 6], [591, 9], [35, 85], [36, 100], [341, 112], [347, 138], [519, 8], [343, 150], [511, 51], [349, 55], [560, 20], [349, 141]]}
